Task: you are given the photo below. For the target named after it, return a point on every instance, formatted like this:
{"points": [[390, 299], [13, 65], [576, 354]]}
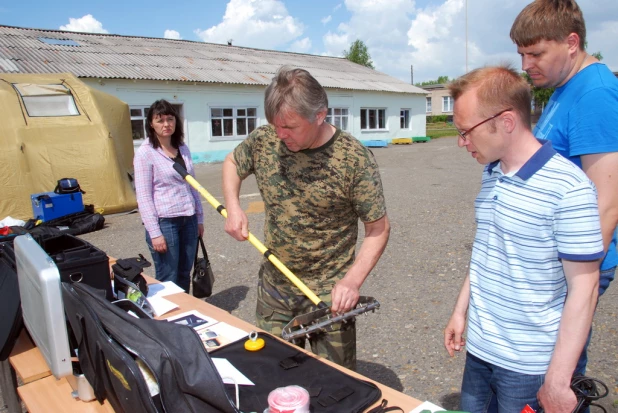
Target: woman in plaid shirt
{"points": [[171, 210]]}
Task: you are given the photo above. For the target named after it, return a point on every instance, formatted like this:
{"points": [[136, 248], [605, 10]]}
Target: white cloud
{"points": [[335, 43], [433, 34], [390, 20], [602, 38], [264, 24], [301, 46], [86, 24], [428, 35], [432, 37], [172, 34]]}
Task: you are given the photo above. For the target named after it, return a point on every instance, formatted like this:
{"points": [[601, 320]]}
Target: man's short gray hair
{"points": [[293, 89]]}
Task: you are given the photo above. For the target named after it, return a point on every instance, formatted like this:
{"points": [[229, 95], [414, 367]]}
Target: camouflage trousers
{"points": [[275, 310]]}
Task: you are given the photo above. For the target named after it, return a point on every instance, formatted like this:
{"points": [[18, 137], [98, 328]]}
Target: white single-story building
{"points": [[218, 89]]}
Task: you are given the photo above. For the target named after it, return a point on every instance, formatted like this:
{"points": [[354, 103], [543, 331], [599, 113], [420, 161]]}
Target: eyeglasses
{"points": [[467, 132]]}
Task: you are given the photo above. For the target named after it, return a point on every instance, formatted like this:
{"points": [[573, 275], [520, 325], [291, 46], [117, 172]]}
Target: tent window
{"points": [[47, 100]]}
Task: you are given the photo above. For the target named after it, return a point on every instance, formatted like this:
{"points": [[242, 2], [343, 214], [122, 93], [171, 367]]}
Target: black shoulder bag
{"points": [[203, 278]]}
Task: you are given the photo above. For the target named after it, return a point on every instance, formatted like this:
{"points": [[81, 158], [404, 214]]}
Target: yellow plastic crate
{"points": [[402, 141]]}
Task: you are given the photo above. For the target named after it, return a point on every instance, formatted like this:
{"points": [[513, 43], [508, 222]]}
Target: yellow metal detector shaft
{"points": [[252, 239]]}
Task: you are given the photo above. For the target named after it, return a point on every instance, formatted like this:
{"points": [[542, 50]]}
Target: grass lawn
{"points": [[437, 130]]}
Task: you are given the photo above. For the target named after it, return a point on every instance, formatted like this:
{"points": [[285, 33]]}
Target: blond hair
{"points": [[497, 88]]}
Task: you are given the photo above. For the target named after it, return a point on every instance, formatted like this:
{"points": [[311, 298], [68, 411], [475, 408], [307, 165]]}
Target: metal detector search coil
{"points": [[315, 322]]}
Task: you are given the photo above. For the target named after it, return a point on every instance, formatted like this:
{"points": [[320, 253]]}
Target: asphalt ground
{"points": [[430, 189]]}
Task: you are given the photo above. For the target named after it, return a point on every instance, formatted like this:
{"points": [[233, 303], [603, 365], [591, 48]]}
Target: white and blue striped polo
{"points": [[526, 224]]}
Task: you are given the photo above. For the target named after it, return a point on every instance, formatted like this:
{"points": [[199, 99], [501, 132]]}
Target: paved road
{"points": [[429, 188]]}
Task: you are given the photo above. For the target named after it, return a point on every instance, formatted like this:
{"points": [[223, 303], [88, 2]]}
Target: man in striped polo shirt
{"points": [[538, 237]]}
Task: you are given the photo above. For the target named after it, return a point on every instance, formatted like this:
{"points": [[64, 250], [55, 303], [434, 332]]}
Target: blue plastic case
{"points": [[49, 205]]}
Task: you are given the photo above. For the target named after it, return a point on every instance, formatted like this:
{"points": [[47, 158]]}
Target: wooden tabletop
{"points": [[41, 392], [54, 396]]}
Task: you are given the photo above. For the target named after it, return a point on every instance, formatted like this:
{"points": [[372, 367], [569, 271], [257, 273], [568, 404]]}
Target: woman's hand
{"points": [[160, 245], [200, 230]]}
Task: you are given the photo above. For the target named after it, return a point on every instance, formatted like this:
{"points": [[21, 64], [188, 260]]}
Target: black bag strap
{"points": [[383, 408], [204, 253]]}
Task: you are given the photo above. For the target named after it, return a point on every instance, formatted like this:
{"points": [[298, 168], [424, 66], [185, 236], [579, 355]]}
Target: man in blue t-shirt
{"points": [[581, 116]]}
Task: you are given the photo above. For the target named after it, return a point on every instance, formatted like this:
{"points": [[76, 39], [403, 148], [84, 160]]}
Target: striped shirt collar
{"points": [[536, 162]]}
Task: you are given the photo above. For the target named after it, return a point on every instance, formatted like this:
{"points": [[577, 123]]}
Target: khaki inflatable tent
{"points": [[55, 126]]}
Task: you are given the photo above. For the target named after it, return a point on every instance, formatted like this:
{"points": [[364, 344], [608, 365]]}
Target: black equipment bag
{"points": [[41, 232], [107, 366], [11, 321], [68, 186], [279, 364], [203, 278], [78, 223], [79, 261], [175, 355], [130, 269]]}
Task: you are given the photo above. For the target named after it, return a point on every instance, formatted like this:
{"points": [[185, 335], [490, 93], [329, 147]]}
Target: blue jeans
{"points": [[489, 388], [175, 265], [605, 278]]}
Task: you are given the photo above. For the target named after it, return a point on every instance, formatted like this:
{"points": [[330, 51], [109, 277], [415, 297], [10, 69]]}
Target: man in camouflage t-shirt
{"points": [[316, 182]]}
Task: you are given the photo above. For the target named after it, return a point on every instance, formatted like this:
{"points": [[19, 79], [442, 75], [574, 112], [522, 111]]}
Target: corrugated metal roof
{"points": [[126, 57]]}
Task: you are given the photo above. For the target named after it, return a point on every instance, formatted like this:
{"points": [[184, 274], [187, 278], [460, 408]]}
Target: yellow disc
{"points": [[254, 345]]}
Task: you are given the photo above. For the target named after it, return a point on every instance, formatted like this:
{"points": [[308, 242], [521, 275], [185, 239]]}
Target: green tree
{"points": [[540, 95], [440, 81], [358, 53]]}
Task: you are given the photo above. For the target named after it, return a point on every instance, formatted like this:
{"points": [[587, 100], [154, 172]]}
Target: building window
{"points": [[233, 121], [138, 120], [338, 117], [447, 104], [373, 119], [46, 100], [404, 119], [428, 104]]}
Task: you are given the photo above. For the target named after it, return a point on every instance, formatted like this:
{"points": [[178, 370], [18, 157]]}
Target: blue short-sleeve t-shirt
{"points": [[580, 119]]}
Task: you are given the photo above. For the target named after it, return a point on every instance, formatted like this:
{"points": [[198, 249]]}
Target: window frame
{"points": [[234, 117], [37, 99], [144, 108], [448, 99], [367, 112], [428, 104], [407, 122], [331, 116]]}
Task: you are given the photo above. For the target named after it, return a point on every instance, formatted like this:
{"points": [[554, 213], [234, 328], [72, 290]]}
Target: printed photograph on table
{"points": [[216, 335], [192, 319]]}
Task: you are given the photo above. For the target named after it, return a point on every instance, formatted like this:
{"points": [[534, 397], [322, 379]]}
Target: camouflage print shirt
{"points": [[313, 200]]}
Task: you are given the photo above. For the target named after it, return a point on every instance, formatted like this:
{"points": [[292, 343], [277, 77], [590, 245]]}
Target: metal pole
{"points": [[411, 74], [466, 36]]}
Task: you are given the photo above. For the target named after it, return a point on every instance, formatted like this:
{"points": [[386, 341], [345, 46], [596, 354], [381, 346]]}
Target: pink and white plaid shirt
{"points": [[161, 191]]}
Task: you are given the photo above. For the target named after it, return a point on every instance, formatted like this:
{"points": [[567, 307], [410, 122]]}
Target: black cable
{"points": [[587, 392]]}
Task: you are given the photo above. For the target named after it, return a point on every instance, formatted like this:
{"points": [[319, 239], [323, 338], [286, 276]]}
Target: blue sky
{"points": [[428, 34]]}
